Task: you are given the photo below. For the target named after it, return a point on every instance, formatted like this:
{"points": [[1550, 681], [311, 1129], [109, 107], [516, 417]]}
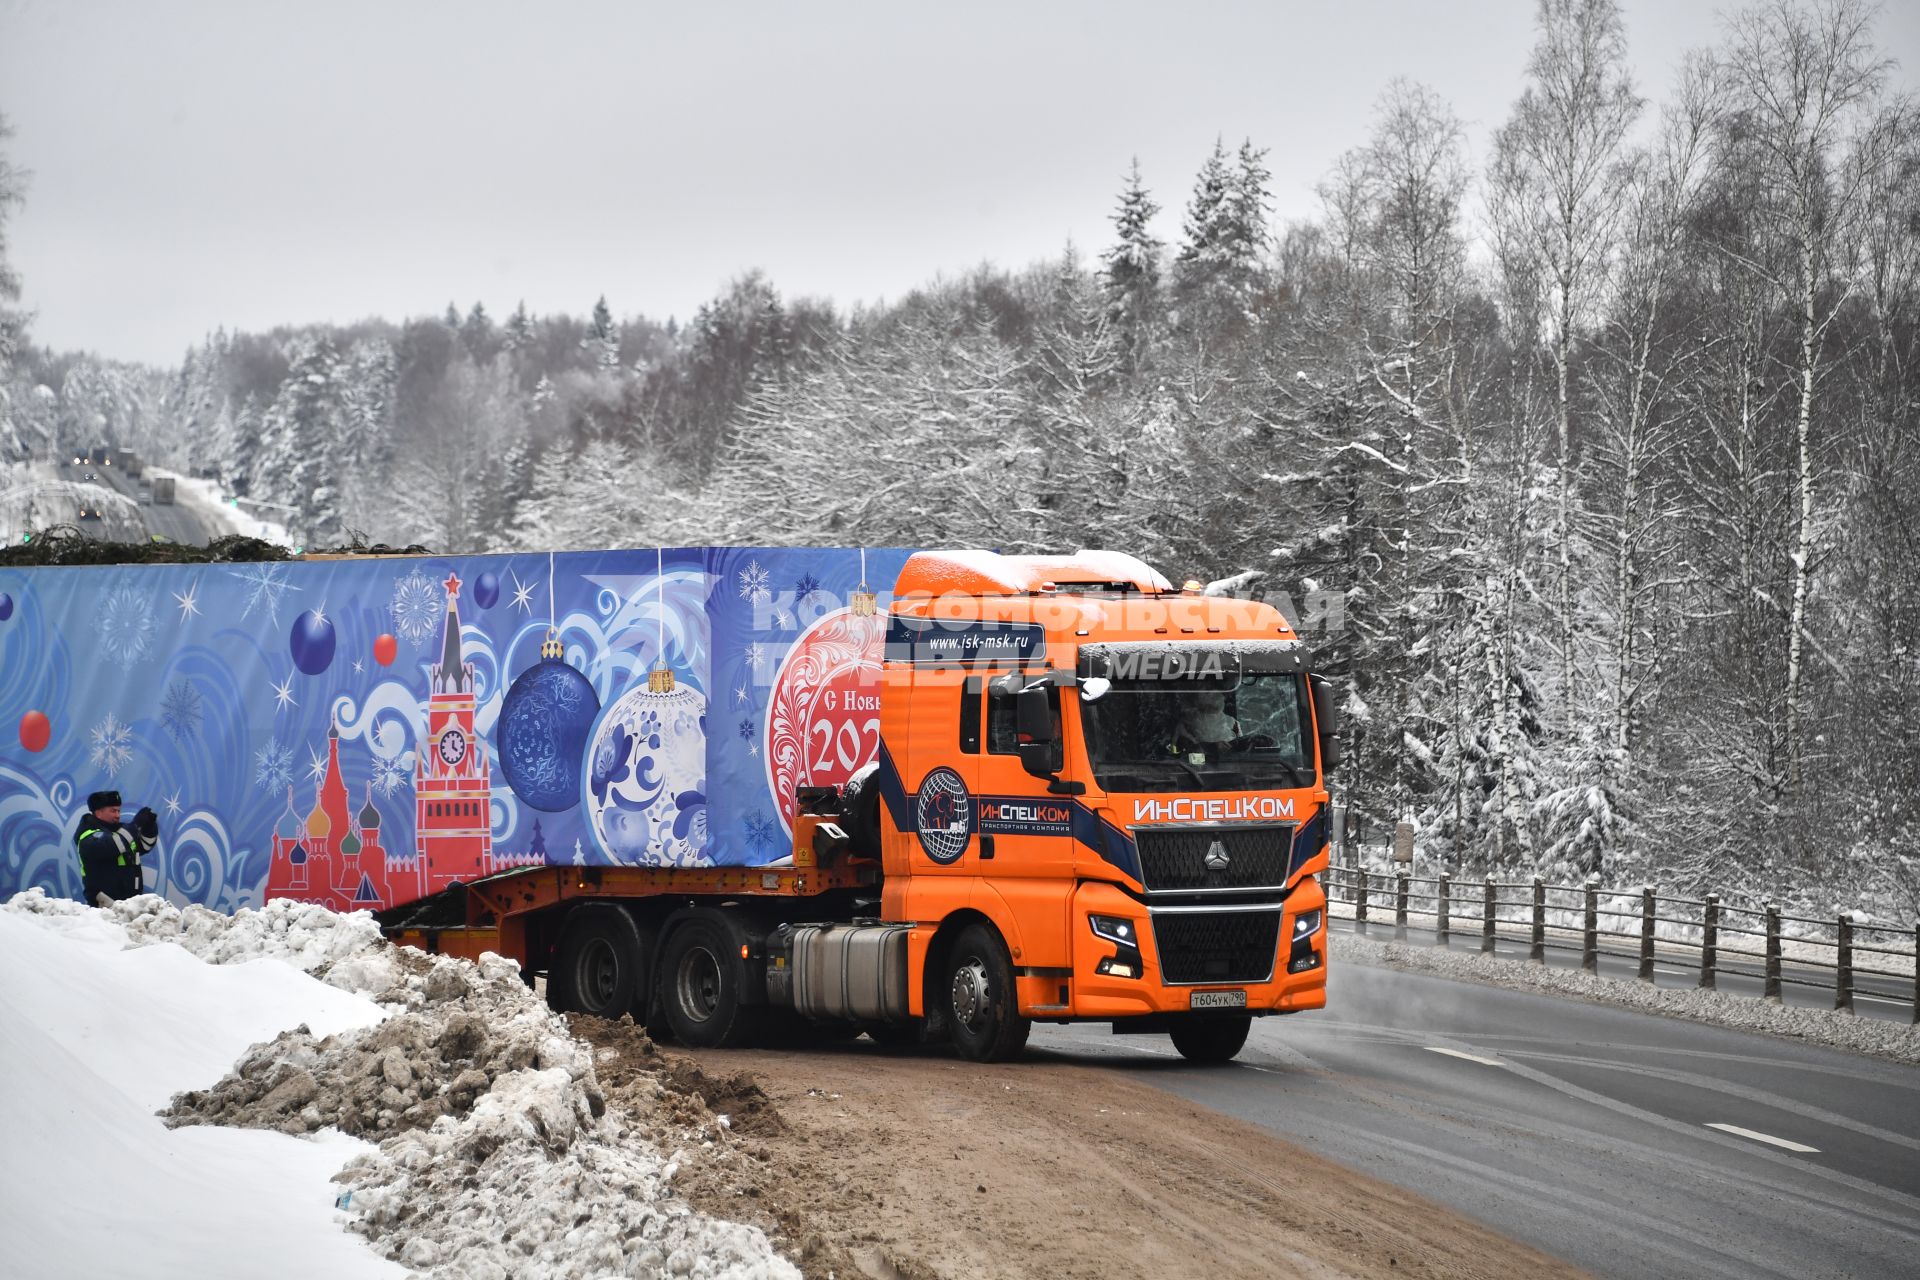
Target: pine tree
{"points": [[602, 342], [519, 328], [1131, 278], [1197, 262]]}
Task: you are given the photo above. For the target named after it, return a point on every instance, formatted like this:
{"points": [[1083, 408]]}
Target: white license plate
{"points": [[1218, 1000]]}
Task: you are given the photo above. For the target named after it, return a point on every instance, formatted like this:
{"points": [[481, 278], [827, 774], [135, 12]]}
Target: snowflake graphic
{"points": [[760, 832], [389, 775], [416, 606], [807, 585], [741, 697], [746, 730], [265, 584], [124, 626], [112, 745], [180, 710], [753, 583], [272, 766], [756, 655]]}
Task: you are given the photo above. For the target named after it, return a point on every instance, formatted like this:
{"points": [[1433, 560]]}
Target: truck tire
{"points": [[601, 964], [700, 987], [1210, 1039], [983, 1014]]}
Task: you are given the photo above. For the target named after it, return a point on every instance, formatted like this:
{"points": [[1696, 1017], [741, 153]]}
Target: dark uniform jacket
{"points": [[109, 858]]}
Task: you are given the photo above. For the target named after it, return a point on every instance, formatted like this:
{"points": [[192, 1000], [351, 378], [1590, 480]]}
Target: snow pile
{"points": [[94, 1037], [497, 1153], [219, 514], [1875, 1036]]}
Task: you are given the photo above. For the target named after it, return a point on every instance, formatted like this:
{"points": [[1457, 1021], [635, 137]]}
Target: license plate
{"points": [[1218, 1000]]}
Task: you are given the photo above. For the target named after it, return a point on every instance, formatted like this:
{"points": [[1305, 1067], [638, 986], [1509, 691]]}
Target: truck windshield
{"points": [[1249, 733]]}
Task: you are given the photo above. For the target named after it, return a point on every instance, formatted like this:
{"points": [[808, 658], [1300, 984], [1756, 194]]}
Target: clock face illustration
{"points": [[453, 746]]}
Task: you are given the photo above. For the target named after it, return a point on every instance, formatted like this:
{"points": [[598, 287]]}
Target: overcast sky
{"points": [[250, 164]]}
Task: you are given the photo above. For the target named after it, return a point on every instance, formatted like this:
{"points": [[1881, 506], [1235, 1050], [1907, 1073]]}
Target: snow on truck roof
{"points": [[989, 573]]}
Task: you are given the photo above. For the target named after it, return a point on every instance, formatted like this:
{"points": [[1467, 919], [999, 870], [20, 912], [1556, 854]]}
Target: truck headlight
{"points": [[1305, 925], [1117, 929]]}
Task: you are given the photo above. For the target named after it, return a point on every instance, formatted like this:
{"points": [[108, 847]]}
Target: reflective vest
{"points": [[122, 842]]}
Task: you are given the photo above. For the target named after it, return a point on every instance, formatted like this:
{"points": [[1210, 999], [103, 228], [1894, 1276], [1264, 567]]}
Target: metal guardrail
{"points": [[1698, 927]]}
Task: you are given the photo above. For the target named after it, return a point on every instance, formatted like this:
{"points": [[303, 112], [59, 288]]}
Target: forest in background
{"points": [[1592, 472]]}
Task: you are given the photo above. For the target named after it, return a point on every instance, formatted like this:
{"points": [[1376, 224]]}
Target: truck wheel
{"points": [[601, 965], [1210, 1039], [983, 1014], [700, 987]]}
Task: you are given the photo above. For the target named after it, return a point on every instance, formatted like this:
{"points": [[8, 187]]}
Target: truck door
{"points": [[1026, 831]]}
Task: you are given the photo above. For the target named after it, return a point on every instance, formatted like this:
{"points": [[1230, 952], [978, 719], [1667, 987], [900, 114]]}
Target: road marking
{"points": [[1470, 1057], [1738, 1132]]}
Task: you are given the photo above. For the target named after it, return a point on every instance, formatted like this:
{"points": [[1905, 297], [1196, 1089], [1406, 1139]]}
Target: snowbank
{"points": [[217, 514], [96, 1037], [497, 1155]]}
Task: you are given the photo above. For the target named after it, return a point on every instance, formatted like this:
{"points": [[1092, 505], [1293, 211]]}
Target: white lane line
{"points": [[1768, 1138], [1470, 1057]]}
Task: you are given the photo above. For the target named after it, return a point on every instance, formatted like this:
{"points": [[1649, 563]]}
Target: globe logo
{"points": [[943, 814]]}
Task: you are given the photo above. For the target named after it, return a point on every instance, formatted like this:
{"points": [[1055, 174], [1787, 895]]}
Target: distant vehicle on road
{"points": [[128, 459], [163, 490], [100, 455], [91, 475], [90, 513]]}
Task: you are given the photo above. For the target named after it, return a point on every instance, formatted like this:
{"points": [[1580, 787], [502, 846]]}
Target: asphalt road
{"points": [[1742, 973], [175, 522], [1583, 1130]]}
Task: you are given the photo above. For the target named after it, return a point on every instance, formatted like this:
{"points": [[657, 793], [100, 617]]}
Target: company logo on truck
{"points": [[1213, 809], [943, 814], [1021, 816]]}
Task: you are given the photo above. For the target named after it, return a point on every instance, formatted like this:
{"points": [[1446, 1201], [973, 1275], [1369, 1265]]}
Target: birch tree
{"points": [[1555, 170], [1803, 79]]}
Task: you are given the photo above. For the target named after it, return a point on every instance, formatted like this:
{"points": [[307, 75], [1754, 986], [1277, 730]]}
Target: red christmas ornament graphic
{"points": [[385, 650], [35, 731]]}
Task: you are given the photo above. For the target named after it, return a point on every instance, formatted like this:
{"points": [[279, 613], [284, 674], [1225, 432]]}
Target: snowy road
{"points": [[1626, 1144]]}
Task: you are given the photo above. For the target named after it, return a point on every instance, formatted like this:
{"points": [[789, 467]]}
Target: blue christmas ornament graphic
{"points": [[486, 590], [544, 721], [6, 606], [311, 642]]}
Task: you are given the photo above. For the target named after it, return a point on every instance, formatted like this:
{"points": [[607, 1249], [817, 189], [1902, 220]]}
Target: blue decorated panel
{"points": [[364, 732]]}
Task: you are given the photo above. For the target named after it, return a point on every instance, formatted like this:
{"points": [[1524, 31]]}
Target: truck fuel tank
{"points": [[840, 972]]}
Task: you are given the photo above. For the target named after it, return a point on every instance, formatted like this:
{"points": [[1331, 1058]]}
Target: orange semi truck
{"points": [[1096, 798]]}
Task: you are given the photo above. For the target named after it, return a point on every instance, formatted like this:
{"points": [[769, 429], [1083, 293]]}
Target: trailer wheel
{"points": [[700, 987], [601, 965], [982, 1014], [1210, 1039]]}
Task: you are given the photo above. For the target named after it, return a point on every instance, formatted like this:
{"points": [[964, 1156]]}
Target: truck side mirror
{"points": [[1326, 716], [1033, 716]]}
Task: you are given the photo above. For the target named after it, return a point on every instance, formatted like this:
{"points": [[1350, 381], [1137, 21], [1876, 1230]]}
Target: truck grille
{"points": [[1216, 946], [1174, 859]]}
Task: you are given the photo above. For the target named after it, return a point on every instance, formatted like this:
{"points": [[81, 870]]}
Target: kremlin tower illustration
{"points": [[452, 781], [334, 855]]}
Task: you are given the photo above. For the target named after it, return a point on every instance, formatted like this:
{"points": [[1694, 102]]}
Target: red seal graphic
{"points": [[823, 720]]}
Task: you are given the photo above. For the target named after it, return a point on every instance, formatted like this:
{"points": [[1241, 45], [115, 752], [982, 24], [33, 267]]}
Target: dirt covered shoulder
{"points": [[866, 1161]]}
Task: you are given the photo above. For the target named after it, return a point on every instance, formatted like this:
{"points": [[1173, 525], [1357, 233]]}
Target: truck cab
{"points": [[1098, 797]]}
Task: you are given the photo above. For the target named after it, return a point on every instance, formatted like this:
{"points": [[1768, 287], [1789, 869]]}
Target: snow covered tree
{"points": [[1558, 184], [1132, 269], [1803, 82]]}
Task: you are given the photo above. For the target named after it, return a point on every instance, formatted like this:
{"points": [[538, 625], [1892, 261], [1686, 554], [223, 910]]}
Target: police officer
{"points": [[110, 850]]}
